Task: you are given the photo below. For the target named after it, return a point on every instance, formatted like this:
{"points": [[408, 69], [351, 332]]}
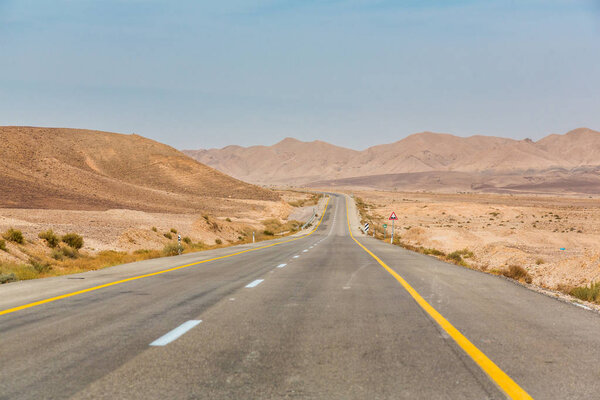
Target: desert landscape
{"points": [[127, 198], [464, 200], [557, 164], [550, 242]]}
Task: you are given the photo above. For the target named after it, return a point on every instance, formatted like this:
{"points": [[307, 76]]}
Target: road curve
{"points": [[325, 316]]}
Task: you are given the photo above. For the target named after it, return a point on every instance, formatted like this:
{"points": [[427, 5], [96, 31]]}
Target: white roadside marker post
{"points": [[253, 237], [179, 244]]}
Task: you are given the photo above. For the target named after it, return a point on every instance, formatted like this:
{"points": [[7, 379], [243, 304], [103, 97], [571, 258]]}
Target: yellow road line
{"points": [[504, 381], [63, 296]]}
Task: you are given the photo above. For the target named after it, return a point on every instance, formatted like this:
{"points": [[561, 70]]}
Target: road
{"points": [[325, 316]]}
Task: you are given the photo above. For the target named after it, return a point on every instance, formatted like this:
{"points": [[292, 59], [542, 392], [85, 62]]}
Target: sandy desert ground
{"points": [[500, 231], [130, 230]]}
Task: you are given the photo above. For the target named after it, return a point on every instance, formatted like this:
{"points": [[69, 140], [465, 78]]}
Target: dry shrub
{"points": [[73, 240], [517, 273], [6, 278], [14, 235], [52, 240], [171, 249]]}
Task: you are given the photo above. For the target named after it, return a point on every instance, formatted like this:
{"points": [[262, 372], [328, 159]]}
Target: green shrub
{"points": [[587, 293], [14, 235], [50, 237], [268, 232], [187, 240], [74, 240], [517, 273], [3, 245], [173, 230], [171, 249], [154, 229], [218, 241], [455, 256], [6, 278], [168, 236]]}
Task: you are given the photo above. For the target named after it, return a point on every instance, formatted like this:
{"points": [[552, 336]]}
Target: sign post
{"points": [[384, 230], [393, 218]]}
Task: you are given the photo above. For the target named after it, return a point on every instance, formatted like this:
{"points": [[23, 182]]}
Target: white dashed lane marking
{"points": [[175, 333], [254, 283]]}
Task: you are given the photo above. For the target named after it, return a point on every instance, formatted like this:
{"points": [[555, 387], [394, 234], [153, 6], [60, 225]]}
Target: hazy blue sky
{"points": [[198, 74]]}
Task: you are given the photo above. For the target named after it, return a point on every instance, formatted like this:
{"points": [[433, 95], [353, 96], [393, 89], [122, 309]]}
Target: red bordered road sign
{"points": [[393, 216]]}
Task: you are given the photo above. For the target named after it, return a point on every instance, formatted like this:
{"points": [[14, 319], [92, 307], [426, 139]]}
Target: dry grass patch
{"points": [[587, 293]]}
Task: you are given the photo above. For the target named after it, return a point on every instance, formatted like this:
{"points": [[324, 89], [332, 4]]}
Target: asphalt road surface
{"points": [[323, 316]]}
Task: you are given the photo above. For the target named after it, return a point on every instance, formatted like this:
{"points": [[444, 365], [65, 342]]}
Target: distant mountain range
{"points": [[568, 163]]}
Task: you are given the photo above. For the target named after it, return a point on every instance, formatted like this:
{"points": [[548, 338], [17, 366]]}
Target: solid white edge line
{"points": [[583, 306], [175, 333], [254, 283], [281, 265]]}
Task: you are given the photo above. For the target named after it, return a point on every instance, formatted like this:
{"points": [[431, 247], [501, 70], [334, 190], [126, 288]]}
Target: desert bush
{"points": [[173, 230], [57, 255], [50, 237], [268, 232], [218, 241], [434, 252], [64, 252], [39, 266], [6, 278], [14, 235], [539, 261], [587, 293], [228, 219], [3, 245], [73, 240], [517, 273], [168, 236], [171, 249], [187, 240], [69, 252], [455, 256], [154, 229]]}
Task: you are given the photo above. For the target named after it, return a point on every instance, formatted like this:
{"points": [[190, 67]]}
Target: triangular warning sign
{"points": [[393, 216]]}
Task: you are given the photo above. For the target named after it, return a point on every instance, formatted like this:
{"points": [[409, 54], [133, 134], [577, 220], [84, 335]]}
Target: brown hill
{"points": [[81, 169], [556, 163], [289, 161]]}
